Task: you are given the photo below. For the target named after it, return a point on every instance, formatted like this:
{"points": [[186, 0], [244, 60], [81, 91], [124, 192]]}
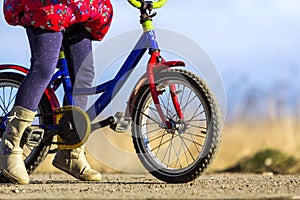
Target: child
{"points": [[45, 22]]}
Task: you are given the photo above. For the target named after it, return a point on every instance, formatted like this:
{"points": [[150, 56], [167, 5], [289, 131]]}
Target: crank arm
{"points": [[107, 122], [56, 130]]}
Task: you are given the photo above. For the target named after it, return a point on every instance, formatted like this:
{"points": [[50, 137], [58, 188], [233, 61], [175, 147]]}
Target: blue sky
{"points": [[237, 34], [256, 41]]}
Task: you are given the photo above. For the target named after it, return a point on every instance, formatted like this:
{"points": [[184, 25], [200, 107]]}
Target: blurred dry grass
{"points": [[244, 139], [110, 152], [270, 161]]}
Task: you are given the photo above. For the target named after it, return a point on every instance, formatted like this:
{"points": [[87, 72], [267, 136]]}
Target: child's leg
{"points": [[78, 51], [44, 50], [45, 47]]}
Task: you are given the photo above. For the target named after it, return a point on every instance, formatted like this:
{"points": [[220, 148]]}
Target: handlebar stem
{"points": [[146, 8], [138, 4], [147, 15]]}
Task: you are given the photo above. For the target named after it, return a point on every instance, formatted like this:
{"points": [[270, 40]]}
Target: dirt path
{"points": [[143, 186]]}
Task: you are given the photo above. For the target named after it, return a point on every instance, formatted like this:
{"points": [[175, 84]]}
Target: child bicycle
{"points": [[174, 116]]}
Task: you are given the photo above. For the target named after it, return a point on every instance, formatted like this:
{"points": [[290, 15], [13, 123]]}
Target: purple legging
{"points": [[45, 48]]}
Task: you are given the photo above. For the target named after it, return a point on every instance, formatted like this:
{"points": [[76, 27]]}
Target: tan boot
{"points": [[74, 163], [11, 154]]}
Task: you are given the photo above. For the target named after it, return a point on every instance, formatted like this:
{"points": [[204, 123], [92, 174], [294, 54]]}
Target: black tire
{"points": [[9, 84], [179, 155]]}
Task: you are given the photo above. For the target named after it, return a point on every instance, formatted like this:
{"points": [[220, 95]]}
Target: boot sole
{"points": [[79, 177], [14, 179]]}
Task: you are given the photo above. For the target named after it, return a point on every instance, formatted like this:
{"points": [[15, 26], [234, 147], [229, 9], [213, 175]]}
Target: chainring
{"points": [[79, 127]]}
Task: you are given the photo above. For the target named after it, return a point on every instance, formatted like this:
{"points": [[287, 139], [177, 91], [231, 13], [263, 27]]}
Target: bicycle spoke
{"points": [[155, 113], [164, 106], [178, 155], [145, 115], [187, 103], [201, 145], [187, 100], [197, 120], [197, 115], [2, 102], [3, 96], [163, 103], [193, 141], [178, 160], [155, 137], [181, 99], [168, 108], [175, 113], [167, 150], [187, 148], [184, 151], [161, 144], [170, 151], [195, 135], [12, 99], [150, 123], [195, 126], [3, 109], [194, 114]]}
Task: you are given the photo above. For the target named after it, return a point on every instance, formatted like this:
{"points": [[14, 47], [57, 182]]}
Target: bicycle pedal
{"points": [[121, 123], [32, 136]]}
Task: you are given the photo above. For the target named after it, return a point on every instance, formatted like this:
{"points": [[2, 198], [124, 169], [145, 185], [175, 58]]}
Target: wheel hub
{"points": [[180, 126]]}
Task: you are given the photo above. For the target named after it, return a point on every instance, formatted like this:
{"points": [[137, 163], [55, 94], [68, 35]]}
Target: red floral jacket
{"points": [[56, 15]]}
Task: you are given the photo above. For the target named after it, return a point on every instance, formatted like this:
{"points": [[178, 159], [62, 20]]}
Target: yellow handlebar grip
{"points": [[159, 4], [138, 4], [135, 3]]}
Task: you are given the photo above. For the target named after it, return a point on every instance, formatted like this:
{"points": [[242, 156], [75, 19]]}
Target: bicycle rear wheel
{"points": [[180, 153], [9, 84]]}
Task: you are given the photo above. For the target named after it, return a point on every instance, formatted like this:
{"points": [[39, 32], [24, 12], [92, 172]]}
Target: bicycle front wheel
{"points": [[180, 153]]}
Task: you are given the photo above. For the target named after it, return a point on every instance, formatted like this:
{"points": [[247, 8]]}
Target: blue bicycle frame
{"points": [[110, 88]]}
